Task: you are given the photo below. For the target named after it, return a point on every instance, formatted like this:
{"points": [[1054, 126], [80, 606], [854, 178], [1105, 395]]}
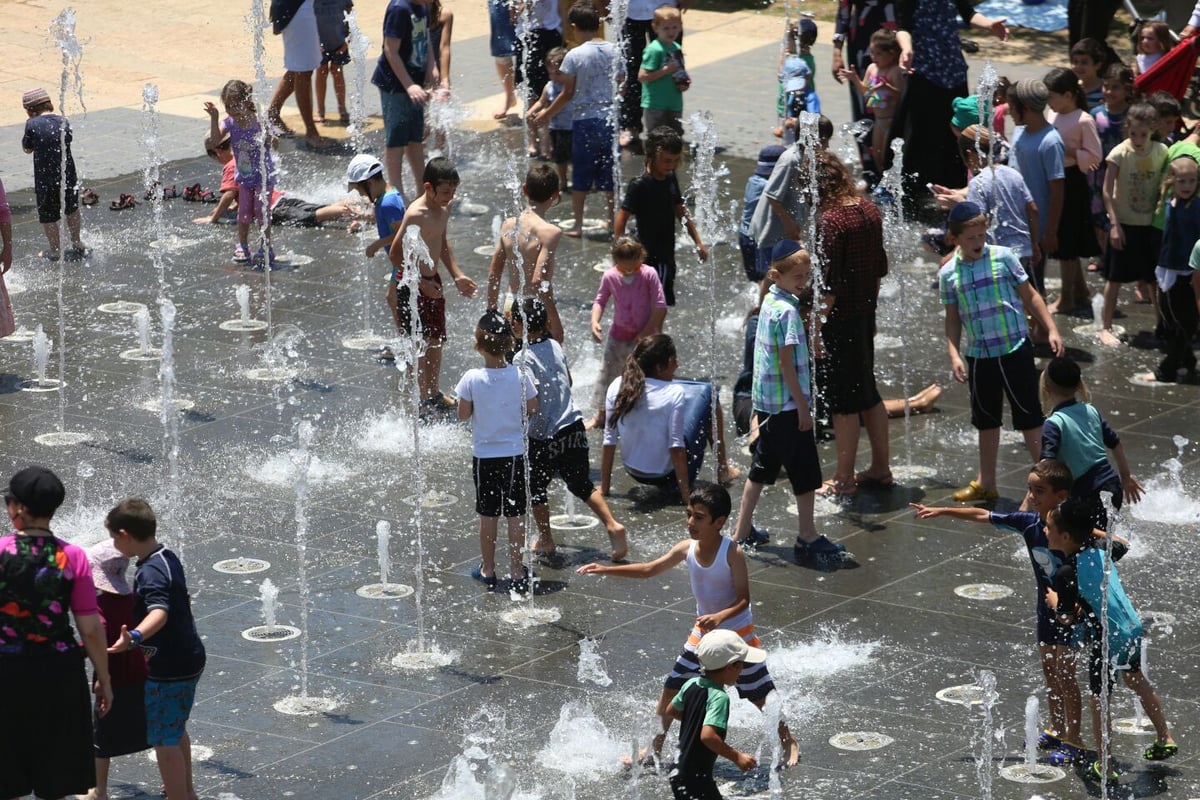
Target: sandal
{"points": [[192, 193], [1160, 751], [88, 197], [834, 488], [973, 492], [123, 203], [207, 196], [865, 481]]}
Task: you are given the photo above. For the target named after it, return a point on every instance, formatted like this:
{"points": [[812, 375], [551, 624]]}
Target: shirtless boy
{"points": [[529, 240], [429, 214]]}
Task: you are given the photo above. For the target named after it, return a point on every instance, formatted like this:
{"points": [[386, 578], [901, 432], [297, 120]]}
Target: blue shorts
{"points": [[591, 156], [168, 706], [403, 120], [503, 39]]}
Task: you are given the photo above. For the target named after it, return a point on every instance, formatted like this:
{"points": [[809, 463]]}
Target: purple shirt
{"points": [[635, 301]]}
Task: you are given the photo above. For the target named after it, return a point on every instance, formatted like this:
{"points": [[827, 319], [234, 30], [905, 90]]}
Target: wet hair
{"points": [[1062, 81], [1074, 518], [495, 342], [1091, 48], [1162, 32], [650, 356], [235, 92], [1140, 114], [556, 56], [584, 16], [663, 139], [835, 185], [541, 183], [440, 171], [824, 129], [134, 516], [665, 13], [434, 15], [627, 248], [1055, 473], [535, 314], [886, 41], [714, 497]]}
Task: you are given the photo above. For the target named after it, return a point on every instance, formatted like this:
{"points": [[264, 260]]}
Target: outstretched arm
{"points": [[644, 569]]}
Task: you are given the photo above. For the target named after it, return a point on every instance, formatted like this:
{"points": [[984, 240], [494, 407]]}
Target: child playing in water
{"points": [[335, 55], [558, 446], [881, 88], [655, 203], [558, 148], [254, 163], [1176, 273], [639, 309], [48, 137], [1085, 585], [527, 242], [498, 399], [985, 290], [717, 570]]}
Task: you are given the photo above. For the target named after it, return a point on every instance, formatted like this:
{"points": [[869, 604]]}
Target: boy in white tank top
{"points": [[721, 586]]}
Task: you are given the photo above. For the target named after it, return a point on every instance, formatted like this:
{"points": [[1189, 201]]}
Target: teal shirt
{"points": [[662, 94]]}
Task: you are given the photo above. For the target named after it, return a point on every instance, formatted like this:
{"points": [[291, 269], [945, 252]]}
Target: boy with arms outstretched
{"points": [[528, 241], [721, 586], [429, 214], [702, 708], [166, 632]]}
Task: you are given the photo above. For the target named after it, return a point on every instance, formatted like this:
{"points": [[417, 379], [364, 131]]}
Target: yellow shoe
{"points": [[974, 493]]}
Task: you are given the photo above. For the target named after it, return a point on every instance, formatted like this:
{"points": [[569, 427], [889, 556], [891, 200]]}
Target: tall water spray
{"points": [[618, 13], [987, 734], [169, 416], [268, 594], [359, 46]]}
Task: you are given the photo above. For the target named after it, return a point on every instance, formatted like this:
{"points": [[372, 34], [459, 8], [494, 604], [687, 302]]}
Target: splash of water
{"points": [[359, 46], [169, 417], [42, 346], [383, 536], [302, 462], [986, 734], [581, 744], [268, 594], [591, 664]]}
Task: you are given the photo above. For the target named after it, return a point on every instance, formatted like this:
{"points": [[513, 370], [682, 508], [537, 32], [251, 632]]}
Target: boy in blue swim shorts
{"points": [[166, 632]]}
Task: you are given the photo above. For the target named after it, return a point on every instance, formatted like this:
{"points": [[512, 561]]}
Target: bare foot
{"points": [[620, 545], [545, 546], [575, 232], [647, 756], [727, 474], [1053, 307], [923, 400], [509, 102], [791, 750], [1109, 339]]}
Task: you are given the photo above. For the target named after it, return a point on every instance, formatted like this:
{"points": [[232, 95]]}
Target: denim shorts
{"points": [[503, 35], [168, 706], [403, 120], [591, 156]]}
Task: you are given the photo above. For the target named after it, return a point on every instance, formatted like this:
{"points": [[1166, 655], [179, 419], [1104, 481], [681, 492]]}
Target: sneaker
{"points": [[1048, 741], [1064, 755], [1160, 751], [241, 254], [756, 538], [819, 549], [973, 493], [489, 581], [1098, 773]]}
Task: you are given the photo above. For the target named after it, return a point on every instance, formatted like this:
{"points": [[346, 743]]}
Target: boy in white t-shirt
{"points": [[498, 399]]}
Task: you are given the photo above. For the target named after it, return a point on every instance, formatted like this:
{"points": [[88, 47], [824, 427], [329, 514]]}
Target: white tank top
{"points": [[713, 586]]}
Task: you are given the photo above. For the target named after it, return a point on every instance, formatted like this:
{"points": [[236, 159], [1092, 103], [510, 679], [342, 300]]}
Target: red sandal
{"points": [[88, 197], [192, 193], [126, 201]]}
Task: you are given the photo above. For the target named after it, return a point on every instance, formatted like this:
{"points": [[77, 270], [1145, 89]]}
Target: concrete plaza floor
{"points": [[864, 649]]}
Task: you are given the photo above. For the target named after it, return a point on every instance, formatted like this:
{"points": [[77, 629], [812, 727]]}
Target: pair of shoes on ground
{"points": [[974, 492], [519, 585], [241, 255], [756, 538], [1097, 772], [818, 550]]}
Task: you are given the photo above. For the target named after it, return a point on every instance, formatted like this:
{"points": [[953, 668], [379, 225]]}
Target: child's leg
{"points": [[578, 199], [52, 238], [989, 449], [807, 527], [561, 169], [1111, 291], [608, 211], [616, 531], [319, 76], [664, 702], [173, 766], [1033, 443], [1151, 704], [725, 473], [1101, 727], [415, 152], [1062, 696], [750, 494], [429, 370], [516, 547], [1074, 285], [243, 234], [185, 745], [488, 527], [339, 86], [541, 518], [101, 790], [73, 226], [789, 747]]}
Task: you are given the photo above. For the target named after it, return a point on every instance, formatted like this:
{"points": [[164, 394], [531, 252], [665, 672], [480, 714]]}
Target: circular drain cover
{"points": [[384, 591], [18, 336], [293, 259], [822, 507], [567, 522], [860, 740], [261, 633], [1133, 726], [418, 661], [242, 566], [1089, 329], [180, 404], [305, 706], [63, 438], [484, 250], [1155, 619], [138, 354], [1038, 773], [364, 341], [472, 209], [967, 694], [1145, 379], [983, 591], [432, 499], [243, 325], [274, 374], [122, 307], [46, 385], [530, 617]]}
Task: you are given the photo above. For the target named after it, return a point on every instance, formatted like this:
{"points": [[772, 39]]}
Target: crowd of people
{"points": [[1088, 170]]}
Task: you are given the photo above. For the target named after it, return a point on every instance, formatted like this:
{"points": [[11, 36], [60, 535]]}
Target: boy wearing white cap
{"points": [[702, 708]]}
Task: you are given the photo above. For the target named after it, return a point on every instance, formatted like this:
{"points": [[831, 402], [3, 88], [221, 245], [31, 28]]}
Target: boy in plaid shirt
{"points": [[985, 291], [781, 394]]}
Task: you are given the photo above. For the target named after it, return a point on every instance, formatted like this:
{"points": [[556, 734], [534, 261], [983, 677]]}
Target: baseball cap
{"points": [[720, 648], [109, 568], [362, 167], [766, 160], [785, 249], [38, 489]]}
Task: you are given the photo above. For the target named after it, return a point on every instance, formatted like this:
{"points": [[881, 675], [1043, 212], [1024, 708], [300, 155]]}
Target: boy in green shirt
{"points": [[702, 708], [662, 73]]}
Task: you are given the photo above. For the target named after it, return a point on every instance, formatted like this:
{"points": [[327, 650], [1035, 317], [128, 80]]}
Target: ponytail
{"points": [[650, 355]]}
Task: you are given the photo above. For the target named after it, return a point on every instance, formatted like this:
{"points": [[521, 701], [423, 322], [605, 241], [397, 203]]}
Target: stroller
{"points": [[1175, 72]]}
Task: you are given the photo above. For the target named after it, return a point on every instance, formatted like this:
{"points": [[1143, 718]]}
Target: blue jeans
{"points": [[697, 430], [503, 37]]}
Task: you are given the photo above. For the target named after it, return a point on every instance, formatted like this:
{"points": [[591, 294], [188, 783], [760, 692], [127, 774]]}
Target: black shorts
{"points": [[1127, 660], [695, 787], [662, 258], [560, 147], [499, 486], [1014, 376], [49, 202], [45, 727], [565, 456], [781, 443], [1134, 262], [846, 376], [295, 213], [1051, 631], [337, 58]]}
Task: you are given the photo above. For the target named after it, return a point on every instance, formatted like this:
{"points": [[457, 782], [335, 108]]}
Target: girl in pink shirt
{"points": [[639, 309]]}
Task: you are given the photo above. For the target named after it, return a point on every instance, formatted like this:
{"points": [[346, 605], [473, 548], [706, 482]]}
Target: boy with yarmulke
{"points": [[48, 138]]}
